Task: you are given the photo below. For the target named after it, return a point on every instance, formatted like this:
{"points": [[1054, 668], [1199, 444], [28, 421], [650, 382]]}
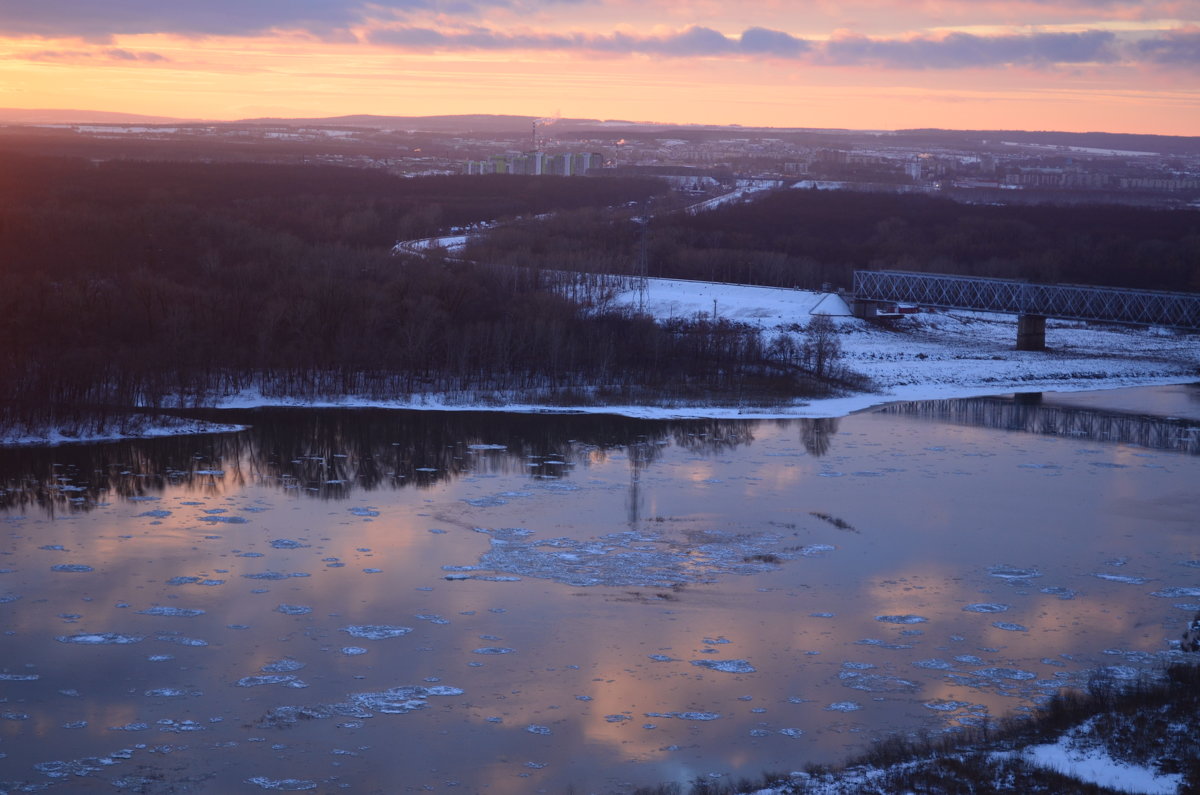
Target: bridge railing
{"points": [[1066, 301]]}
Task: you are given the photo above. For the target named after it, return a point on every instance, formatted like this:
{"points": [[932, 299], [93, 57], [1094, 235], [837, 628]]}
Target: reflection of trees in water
{"points": [[330, 453], [1031, 416], [817, 434]]}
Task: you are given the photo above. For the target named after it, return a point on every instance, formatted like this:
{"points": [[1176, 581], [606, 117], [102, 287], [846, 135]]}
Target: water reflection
{"points": [[1029, 414], [918, 574], [332, 453]]}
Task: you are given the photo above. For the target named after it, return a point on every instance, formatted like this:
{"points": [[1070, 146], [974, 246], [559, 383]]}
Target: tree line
{"points": [[806, 238], [159, 284]]}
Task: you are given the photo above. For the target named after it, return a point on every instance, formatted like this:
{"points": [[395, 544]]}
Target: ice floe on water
{"points": [[101, 638], [394, 701], [1122, 578], [287, 543], [986, 607], [1176, 592], [353, 651], [844, 706], [1012, 573], [877, 683], [162, 610], [375, 631], [791, 732], [265, 679], [727, 666], [495, 650], [902, 619], [700, 716], [283, 666], [294, 610], [71, 567], [534, 728], [646, 558], [1009, 626], [282, 784]]}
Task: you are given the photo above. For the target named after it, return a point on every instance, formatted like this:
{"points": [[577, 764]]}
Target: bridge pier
{"points": [[1031, 333]]}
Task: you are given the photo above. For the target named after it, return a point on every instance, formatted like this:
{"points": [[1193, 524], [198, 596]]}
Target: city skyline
{"points": [[1106, 65]]}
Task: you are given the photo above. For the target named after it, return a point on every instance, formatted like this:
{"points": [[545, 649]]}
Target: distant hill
{"points": [[1126, 142], [61, 116], [477, 122]]}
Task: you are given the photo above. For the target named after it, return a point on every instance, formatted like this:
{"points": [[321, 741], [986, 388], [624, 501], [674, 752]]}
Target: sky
{"points": [[1085, 65]]}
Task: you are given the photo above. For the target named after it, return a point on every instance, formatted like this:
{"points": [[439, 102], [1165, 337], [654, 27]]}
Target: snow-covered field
{"points": [[943, 354]]}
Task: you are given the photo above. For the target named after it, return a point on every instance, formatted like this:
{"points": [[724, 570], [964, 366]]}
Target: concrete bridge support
{"points": [[1031, 333]]}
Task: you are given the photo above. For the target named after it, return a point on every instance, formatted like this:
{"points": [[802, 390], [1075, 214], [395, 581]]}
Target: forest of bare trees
{"points": [[161, 284]]}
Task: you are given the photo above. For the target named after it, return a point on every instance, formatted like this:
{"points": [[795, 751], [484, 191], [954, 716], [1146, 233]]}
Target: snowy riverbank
{"points": [[927, 356]]}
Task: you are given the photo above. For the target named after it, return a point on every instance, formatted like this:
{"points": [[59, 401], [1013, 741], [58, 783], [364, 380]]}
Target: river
{"points": [[396, 601]]}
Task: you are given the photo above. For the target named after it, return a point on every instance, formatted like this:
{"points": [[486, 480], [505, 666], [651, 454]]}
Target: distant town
{"points": [[1006, 167]]}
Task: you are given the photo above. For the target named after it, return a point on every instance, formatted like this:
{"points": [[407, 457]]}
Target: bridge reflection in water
{"points": [[1027, 413]]}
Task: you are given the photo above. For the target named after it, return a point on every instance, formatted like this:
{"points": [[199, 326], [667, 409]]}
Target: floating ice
{"points": [[73, 567], [934, 664], [487, 447], [858, 666], [224, 519], [968, 659], [351, 651], [728, 666], [53, 547], [660, 657], [19, 677], [286, 665], [276, 575], [645, 558], [182, 580], [1012, 572], [287, 543], [130, 727], [369, 511], [945, 705], [616, 718], [161, 610], [1176, 592], [907, 618], [102, 638], [8, 597], [494, 650], [294, 610], [264, 679], [844, 706], [882, 644], [182, 641], [166, 692], [791, 732], [375, 631], [282, 784], [1013, 674], [533, 728], [986, 607], [157, 514], [1009, 626], [816, 550], [1059, 591], [877, 683], [685, 715], [1122, 578]]}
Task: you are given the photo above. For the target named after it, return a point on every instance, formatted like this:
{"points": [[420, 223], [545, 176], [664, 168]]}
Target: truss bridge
{"points": [[1031, 302]]}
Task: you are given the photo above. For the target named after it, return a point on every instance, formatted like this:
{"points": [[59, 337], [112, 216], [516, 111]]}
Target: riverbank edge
{"points": [[819, 408]]}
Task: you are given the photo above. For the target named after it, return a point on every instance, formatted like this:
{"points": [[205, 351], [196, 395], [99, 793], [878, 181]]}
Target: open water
{"points": [[389, 602]]}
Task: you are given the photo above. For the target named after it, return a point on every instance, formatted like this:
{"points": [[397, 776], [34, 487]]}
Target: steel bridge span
{"points": [[1032, 303]]}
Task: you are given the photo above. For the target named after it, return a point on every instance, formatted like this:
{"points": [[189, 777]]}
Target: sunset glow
{"points": [[1114, 65]]}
